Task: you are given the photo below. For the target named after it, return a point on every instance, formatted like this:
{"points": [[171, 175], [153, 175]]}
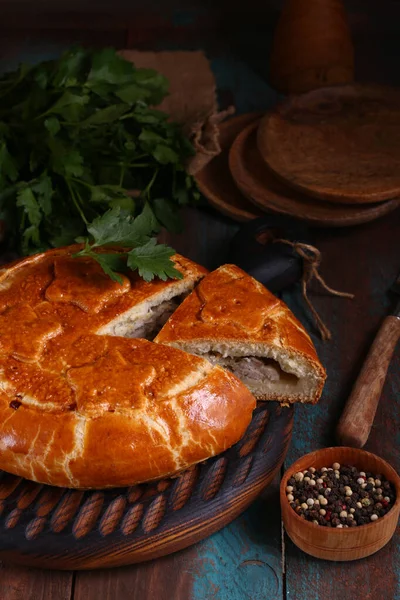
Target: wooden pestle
{"points": [[356, 421]]}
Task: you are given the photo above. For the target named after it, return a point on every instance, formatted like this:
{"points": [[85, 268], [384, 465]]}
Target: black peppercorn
{"points": [[340, 497]]}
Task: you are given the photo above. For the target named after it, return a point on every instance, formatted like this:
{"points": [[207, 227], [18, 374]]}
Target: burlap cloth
{"points": [[192, 99]]}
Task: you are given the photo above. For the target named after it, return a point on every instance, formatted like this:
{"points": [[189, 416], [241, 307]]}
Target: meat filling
{"points": [[253, 368], [155, 319]]}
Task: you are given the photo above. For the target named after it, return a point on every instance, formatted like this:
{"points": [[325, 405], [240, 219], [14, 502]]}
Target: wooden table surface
{"points": [[251, 559]]}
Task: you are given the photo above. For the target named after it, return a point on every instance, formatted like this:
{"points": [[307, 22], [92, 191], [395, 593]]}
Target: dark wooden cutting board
{"points": [[260, 185], [340, 144], [57, 528]]}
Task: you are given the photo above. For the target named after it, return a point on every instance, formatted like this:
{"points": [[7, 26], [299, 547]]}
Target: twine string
{"points": [[312, 260]]}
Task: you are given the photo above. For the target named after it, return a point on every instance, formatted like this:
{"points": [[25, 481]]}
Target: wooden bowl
{"points": [[340, 544]]}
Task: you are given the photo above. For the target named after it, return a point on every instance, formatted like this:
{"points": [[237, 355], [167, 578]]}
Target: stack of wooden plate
{"points": [[330, 157]]}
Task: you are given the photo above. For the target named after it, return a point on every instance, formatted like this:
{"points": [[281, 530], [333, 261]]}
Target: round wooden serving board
{"points": [[215, 180], [340, 144], [57, 528], [260, 185]]}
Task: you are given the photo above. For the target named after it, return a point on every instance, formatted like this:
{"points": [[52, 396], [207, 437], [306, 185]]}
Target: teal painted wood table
{"points": [[251, 559]]}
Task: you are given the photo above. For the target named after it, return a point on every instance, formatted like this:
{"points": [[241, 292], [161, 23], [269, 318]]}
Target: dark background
{"points": [[243, 28], [245, 560]]}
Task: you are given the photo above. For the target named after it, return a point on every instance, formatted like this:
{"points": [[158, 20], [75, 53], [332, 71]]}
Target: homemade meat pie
{"points": [[86, 402], [233, 321], [82, 406]]}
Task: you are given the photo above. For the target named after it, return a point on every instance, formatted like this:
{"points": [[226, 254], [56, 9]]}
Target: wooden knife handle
{"points": [[356, 421]]}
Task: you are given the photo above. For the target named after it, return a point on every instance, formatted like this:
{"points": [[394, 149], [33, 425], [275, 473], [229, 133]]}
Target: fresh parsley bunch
{"points": [[84, 157]]}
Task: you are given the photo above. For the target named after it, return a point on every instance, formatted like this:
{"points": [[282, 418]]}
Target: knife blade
{"points": [[396, 290], [358, 416]]}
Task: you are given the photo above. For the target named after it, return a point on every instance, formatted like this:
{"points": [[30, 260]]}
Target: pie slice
{"points": [[233, 321]]}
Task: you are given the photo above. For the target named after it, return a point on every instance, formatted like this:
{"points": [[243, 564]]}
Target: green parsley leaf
{"points": [[133, 93], [31, 236], [153, 260], [65, 160], [84, 155], [106, 115], [155, 83], [111, 264], [150, 138], [111, 228], [146, 223], [124, 203], [109, 67], [52, 125], [71, 67], [27, 201], [117, 228], [168, 215], [8, 166], [105, 193], [44, 192], [149, 116], [69, 105], [165, 155]]}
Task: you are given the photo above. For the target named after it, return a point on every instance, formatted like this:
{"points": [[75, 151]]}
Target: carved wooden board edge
{"points": [[59, 528]]}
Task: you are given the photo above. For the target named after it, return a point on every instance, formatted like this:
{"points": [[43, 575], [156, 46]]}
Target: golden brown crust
{"points": [[228, 306], [79, 409], [171, 435]]}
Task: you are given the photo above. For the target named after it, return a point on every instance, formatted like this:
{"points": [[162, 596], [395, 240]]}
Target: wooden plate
{"points": [[340, 144], [57, 528], [215, 180], [260, 185]]}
